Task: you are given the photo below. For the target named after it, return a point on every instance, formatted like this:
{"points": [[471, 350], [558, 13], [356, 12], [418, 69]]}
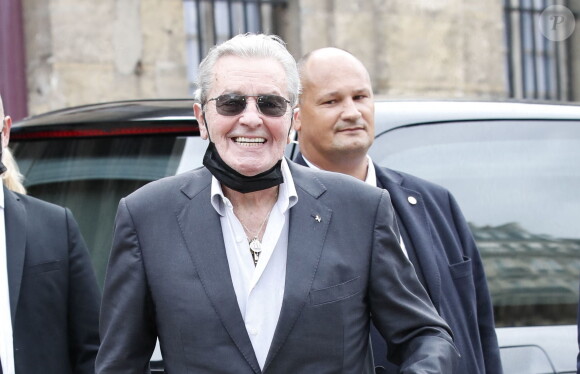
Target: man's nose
{"points": [[350, 110], [251, 114]]}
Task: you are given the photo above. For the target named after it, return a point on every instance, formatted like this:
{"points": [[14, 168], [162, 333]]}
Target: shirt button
{"points": [[252, 330], [239, 239]]}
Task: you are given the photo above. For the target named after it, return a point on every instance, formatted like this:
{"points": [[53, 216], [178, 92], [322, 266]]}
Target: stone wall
{"points": [[85, 51], [414, 48]]}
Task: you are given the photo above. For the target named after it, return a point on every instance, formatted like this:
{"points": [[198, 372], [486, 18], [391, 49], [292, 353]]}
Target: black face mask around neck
{"points": [[239, 182]]}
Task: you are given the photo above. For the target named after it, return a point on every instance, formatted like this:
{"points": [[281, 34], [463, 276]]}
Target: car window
{"points": [[527, 359], [516, 182], [91, 175]]}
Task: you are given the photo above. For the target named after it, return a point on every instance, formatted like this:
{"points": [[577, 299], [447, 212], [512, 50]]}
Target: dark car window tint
{"points": [[90, 176], [517, 183]]}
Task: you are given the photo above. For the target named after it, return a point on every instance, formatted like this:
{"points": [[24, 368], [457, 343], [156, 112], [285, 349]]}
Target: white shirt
{"points": [[371, 179], [6, 343], [259, 289]]}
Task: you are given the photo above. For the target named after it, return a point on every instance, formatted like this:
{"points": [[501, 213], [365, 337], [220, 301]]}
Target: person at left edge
{"points": [[253, 264], [49, 297]]}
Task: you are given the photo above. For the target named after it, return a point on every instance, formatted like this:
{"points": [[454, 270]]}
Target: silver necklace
{"points": [[255, 242]]}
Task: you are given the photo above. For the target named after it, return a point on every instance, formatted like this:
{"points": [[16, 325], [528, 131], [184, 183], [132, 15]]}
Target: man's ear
{"points": [[6, 125], [292, 131], [198, 112], [297, 119]]}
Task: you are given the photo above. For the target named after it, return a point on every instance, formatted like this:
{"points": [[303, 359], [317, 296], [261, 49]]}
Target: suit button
{"points": [[412, 200]]}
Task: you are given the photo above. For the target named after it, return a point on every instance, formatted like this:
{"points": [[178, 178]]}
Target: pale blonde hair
{"points": [[12, 178]]}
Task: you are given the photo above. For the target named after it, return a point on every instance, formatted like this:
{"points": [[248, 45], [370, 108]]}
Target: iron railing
{"points": [[537, 67], [209, 22]]}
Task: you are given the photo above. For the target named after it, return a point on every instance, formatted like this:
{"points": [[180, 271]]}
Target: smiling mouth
{"points": [[249, 141]]}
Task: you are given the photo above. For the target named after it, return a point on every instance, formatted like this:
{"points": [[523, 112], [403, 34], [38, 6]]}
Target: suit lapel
{"points": [[200, 223], [414, 218], [15, 225], [299, 159], [309, 221]]}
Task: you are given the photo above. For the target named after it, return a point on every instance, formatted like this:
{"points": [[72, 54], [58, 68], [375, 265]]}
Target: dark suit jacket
{"points": [[54, 296], [168, 277], [447, 261], [578, 327]]}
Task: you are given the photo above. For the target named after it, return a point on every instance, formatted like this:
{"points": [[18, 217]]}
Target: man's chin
{"points": [[353, 148], [250, 169]]}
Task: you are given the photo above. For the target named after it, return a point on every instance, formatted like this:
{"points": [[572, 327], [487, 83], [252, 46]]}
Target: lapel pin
{"points": [[317, 218], [412, 200]]}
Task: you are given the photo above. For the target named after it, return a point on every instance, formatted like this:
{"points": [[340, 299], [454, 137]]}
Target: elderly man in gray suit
{"points": [[253, 264]]}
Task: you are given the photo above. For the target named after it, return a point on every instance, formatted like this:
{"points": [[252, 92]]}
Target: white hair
{"points": [[12, 178], [249, 45]]}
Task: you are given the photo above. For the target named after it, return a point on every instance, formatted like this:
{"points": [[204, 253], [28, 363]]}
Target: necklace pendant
{"points": [[255, 245], [255, 248]]}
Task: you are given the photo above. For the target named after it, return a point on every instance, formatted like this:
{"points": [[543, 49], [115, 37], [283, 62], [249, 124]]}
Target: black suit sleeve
{"points": [[83, 305], [578, 357], [485, 319], [400, 307]]}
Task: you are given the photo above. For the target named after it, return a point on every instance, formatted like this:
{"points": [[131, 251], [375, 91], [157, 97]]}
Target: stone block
{"points": [[317, 30], [82, 30], [127, 36], [163, 31]]}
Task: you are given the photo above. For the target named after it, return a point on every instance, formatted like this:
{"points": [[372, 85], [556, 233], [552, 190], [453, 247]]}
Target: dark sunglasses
{"points": [[234, 104]]}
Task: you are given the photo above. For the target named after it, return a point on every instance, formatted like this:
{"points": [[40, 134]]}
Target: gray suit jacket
{"points": [[447, 261], [54, 296], [168, 277]]}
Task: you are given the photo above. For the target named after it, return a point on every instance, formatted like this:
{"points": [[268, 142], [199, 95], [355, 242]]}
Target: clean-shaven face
{"points": [[252, 141], [336, 115]]}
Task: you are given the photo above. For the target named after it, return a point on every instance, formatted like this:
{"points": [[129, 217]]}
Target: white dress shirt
{"points": [[371, 179], [259, 289], [6, 343]]}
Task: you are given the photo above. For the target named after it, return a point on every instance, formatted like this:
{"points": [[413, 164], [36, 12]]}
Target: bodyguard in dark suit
{"points": [[49, 294], [335, 128], [253, 264]]}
